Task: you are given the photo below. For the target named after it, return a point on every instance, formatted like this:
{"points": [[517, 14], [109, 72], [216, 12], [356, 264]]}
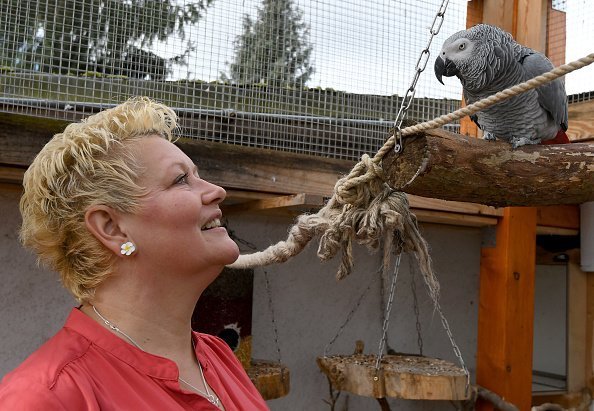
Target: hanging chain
{"points": [[275, 328], [457, 352], [382, 343], [351, 313], [420, 67], [413, 286], [382, 299]]}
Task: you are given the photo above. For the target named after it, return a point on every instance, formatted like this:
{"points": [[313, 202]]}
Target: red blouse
{"points": [[86, 367]]}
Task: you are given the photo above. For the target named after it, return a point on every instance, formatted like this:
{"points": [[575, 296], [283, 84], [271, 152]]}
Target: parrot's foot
{"points": [[522, 141], [487, 135]]}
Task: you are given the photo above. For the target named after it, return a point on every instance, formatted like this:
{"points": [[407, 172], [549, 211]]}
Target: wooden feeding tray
{"points": [[400, 376], [270, 378]]}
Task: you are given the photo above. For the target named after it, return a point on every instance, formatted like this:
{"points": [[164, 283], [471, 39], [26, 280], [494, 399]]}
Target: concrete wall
{"points": [[308, 304]]}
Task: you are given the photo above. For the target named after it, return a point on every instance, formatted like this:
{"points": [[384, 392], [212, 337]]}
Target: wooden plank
{"points": [[453, 206], [441, 217], [543, 230], [560, 216], [577, 300], [506, 305], [589, 339], [506, 309], [11, 175], [474, 15], [556, 35], [263, 170], [300, 200], [500, 13], [531, 24]]}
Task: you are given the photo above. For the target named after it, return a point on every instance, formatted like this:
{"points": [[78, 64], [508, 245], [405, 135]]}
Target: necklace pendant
{"points": [[213, 400]]}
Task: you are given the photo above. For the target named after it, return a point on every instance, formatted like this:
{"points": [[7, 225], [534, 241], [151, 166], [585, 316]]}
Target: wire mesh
{"points": [[320, 77]]}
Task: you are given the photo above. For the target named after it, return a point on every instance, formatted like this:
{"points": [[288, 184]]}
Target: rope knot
{"points": [[353, 189]]}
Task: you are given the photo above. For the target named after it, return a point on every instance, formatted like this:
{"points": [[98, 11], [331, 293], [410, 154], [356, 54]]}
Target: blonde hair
{"points": [[90, 163]]}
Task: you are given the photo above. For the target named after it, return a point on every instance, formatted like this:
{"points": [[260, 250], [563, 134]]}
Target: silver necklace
{"points": [[208, 395]]}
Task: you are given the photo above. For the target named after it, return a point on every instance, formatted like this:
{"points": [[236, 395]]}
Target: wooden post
{"points": [[506, 307]]}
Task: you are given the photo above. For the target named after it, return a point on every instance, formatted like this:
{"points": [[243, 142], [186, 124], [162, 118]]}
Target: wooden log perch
{"points": [[401, 376], [270, 378], [439, 164]]}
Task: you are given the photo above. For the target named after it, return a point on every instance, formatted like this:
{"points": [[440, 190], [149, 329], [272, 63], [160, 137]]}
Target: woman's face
{"points": [[178, 225]]}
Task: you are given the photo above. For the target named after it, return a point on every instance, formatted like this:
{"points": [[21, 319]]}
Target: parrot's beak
{"points": [[444, 68]]}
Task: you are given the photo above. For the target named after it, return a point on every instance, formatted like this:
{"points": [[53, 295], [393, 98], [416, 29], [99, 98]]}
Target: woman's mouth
{"points": [[211, 224]]}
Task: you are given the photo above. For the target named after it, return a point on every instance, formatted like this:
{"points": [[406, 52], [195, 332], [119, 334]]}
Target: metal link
{"points": [[413, 286], [382, 343], [351, 313], [457, 352], [410, 93]]}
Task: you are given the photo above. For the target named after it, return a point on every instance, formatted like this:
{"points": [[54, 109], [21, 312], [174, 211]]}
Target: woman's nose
{"points": [[213, 193]]}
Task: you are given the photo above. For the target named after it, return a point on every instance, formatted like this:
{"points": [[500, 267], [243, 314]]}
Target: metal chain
{"points": [[413, 286], [351, 313], [420, 67], [457, 352], [382, 343], [275, 328]]}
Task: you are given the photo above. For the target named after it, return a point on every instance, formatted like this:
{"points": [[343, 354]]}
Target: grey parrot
{"points": [[487, 60]]}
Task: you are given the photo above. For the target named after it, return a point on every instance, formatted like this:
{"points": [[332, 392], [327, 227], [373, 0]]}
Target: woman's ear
{"points": [[102, 222]]}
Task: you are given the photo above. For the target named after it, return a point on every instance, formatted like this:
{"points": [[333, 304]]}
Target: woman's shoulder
{"points": [[212, 342]]}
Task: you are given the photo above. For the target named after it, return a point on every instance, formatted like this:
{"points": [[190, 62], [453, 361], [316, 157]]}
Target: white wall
{"points": [[309, 305]]}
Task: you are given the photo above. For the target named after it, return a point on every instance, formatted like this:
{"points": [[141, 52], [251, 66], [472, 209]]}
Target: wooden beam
{"points": [[453, 206], [452, 167], [500, 13], [506, 309], [506, 305], [531, 24], [442, 217], [589, 364], [577, 302], [474, 16], [562, 216], [291, 202], [11, 175]]}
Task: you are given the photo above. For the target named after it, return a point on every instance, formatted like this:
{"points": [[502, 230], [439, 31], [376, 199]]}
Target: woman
{"points": [[122, 214]]}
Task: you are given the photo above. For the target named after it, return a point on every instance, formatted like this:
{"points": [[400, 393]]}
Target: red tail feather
{"points": [[560, 138]]}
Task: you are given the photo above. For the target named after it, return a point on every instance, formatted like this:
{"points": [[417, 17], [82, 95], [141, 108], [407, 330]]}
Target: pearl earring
{"points": [[127, 248]]}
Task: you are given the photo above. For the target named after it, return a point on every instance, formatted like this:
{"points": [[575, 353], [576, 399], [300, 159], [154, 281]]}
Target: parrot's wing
{"points": [[551, 96]]}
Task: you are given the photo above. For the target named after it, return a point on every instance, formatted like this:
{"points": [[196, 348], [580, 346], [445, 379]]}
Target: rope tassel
{"points": [[368, 212]]}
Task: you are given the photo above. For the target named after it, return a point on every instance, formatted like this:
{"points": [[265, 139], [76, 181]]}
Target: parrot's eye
{"points": [[461, 46]]}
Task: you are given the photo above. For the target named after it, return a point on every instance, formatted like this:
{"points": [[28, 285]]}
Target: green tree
{"points": [[274, 49], [104, 36]]}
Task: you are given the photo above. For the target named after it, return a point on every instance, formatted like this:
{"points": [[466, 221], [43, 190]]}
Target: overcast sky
{"points": [[369, 47]]}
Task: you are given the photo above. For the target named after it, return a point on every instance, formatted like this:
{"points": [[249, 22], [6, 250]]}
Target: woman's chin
{"points": [[232, 254]]}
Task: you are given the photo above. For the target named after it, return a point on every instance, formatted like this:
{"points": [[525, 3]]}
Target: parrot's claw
{"points": [[489, 136], [522, 141]]}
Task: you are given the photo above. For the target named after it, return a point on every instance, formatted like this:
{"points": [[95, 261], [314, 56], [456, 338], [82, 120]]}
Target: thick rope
{"points": [[365, 208]]}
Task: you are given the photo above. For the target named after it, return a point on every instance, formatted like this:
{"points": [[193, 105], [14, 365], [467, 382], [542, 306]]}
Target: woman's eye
{"points": [[183, 179]]}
